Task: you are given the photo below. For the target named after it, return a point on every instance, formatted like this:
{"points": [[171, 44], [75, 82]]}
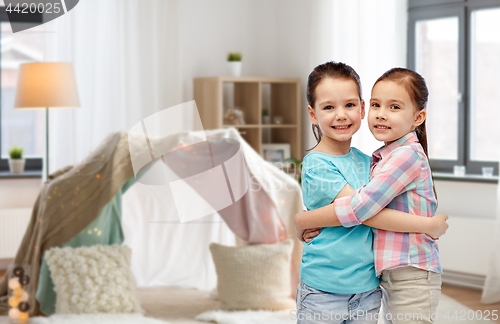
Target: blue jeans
{"points": [[316, 306]]}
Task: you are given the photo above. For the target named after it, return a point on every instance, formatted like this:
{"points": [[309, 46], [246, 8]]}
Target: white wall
{"points": [[19, 193], [211, 29], [466, 246], [272, 35], [295, 58], [467, 199]]}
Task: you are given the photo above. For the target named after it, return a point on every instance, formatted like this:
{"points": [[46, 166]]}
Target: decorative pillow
{"points": [[254, 276], [95, 279]]}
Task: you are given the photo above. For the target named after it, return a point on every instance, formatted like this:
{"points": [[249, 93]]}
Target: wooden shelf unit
{"points": [[283, 99]]}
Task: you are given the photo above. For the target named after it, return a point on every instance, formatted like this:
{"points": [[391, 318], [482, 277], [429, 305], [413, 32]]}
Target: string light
{"points": [[14, 313], [23, 317], [19, 299], [18, 292], [14, 283], [25, 296], [14, 301]]}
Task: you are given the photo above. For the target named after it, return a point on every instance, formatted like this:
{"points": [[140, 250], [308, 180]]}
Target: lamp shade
{"points": [[46, 85]]}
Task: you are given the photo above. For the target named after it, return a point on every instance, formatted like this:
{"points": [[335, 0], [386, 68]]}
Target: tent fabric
{"points": [[68, 202], [106, 229], [166, 252], [75, 196]]}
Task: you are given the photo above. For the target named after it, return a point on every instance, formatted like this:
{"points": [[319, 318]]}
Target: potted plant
{"points": [[234, 61], [266, 119], [16, 161]]}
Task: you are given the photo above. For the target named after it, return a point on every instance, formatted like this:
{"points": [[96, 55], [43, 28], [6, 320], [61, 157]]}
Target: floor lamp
{"points": [[43, 86]]}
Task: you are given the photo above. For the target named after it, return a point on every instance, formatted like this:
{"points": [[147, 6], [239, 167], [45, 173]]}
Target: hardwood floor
{"points": [[469, 297], [465, 296]]}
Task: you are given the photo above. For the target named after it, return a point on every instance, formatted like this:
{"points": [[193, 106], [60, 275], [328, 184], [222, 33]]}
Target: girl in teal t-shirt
{"points": [[338, 281]]}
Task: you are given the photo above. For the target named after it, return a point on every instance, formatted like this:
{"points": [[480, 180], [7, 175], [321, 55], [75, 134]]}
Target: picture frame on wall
{"points": [[275, 152]]}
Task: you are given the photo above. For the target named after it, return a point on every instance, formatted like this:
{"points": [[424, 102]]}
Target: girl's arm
{"points": [[396, 171], [387, 219], [321, 217]]}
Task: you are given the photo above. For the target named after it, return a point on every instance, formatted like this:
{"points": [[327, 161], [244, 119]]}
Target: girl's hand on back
{"points": [[309, 233], [438, 226]]}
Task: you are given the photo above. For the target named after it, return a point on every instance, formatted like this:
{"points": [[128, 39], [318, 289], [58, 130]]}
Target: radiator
{"points": [[13, 224]]}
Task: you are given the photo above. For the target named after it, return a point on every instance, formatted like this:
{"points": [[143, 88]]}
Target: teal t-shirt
{"points": [[339, 259]]}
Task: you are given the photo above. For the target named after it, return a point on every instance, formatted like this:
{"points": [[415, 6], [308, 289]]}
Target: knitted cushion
{"points": [[95, 279], [254, 276]]}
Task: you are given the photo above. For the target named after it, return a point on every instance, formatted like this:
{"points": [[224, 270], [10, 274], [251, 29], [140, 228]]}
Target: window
{"points": [[455, 45], [17, 127]]}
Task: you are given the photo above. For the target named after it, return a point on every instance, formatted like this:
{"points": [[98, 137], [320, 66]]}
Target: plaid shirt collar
{"points": [[386, 149]]}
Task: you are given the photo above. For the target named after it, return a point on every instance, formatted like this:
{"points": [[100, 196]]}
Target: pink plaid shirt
{"points": [[400, 179]]}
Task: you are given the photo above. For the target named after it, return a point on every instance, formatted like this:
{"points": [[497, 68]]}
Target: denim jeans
{"points": [[316, 306]]}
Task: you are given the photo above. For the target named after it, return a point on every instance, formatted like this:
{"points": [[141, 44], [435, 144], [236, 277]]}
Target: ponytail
{"points": [[422, 139], [317, 134]]}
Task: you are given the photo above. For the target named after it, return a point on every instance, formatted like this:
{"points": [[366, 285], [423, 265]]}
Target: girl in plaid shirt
{"points": [[400, 179], [338, 278]]}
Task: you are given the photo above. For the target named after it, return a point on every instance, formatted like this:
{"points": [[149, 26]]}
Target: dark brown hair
{"points": [[416, 87], [328, 70]]}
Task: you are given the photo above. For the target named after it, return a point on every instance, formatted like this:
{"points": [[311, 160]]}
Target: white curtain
{"points": [[369, 35], [126, 56], [491, 289]]}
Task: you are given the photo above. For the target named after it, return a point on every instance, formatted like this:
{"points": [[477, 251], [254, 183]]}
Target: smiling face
{"points": [[337, 110], [392, 114]]}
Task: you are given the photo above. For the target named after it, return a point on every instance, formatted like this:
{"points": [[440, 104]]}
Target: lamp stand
{"points": [[47, 143]]}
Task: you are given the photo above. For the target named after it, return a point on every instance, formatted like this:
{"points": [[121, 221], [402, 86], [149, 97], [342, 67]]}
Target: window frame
{"points": [[32, 164], [419, 10]]}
